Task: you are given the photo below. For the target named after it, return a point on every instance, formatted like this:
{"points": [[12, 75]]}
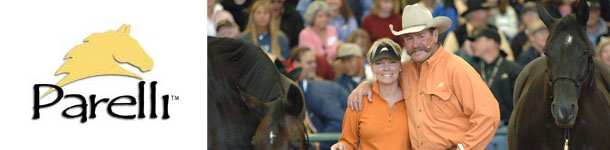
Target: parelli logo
{"points": [[100, 55]]}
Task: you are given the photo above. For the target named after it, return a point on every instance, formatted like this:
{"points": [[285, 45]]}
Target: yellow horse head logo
{"points": [[100, 55]]}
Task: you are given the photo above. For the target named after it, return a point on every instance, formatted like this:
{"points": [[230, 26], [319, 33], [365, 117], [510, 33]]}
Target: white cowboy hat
{"points": [[416, 18]]}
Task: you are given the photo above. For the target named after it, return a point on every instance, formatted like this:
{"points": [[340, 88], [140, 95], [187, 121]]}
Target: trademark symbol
{"points": [[175, 97]]}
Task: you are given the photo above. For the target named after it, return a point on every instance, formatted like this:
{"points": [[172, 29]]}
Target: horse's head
{"points": [[282, 126], [569, 62], [124, 48]]}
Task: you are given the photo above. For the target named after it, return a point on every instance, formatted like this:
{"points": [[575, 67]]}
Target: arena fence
{"points": [[326, 137]]}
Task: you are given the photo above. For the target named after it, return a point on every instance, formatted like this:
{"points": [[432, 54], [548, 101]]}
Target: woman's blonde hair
{"points": [[273, 30], [312, 10], [377, 6], [600, 47], [383, 42]]}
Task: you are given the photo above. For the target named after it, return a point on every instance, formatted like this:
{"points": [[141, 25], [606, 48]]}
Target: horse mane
{"points": [[244, 65]]}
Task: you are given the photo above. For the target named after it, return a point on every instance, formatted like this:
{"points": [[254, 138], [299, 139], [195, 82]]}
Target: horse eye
{"points": [[85, 41]]}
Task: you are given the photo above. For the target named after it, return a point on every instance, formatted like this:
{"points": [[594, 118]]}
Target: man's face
{"points": [[593, 16], [227, 32], [529, 17], [479, 18], [308, 63], [352, 65], [481, 45], [420, 44], [539, 37]]}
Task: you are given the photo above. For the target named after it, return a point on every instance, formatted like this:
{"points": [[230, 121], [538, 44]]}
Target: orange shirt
{"points": [[376, 126], [448, 104]]}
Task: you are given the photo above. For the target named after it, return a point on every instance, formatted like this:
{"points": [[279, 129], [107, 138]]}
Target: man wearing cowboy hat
{"points": [[448, 105]]}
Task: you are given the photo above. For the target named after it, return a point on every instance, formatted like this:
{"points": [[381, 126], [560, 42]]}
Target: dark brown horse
{"points": [[564, 94], [250, 104]]}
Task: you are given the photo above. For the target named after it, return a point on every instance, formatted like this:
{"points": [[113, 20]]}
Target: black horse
{"points": [[250, 104], [561, 99]]}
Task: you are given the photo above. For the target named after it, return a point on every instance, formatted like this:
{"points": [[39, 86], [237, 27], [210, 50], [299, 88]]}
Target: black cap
{"points": [[593, 4], [487, 32], [384, 51], [475, 5]]}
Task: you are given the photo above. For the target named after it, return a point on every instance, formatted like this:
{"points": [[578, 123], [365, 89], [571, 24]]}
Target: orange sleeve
{"points": [[479, 103], [349, 133]]}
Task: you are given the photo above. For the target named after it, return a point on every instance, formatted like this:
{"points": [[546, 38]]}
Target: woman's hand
{"points": [[354, 101]]}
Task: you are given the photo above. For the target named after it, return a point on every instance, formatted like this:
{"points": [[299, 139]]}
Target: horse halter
{"points": [[577, 84]]}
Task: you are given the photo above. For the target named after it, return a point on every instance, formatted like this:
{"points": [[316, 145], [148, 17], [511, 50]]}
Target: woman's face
{"points": [[386, 6], [261, 17], [605, 55], [321, 19], [362, 44], [386, 70], [333, 5], [529, 17]]}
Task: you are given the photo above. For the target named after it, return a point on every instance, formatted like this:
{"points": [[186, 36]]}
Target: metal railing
{"points": [[325, 137]]}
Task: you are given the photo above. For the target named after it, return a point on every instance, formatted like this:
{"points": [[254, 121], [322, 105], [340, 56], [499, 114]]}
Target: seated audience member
{"points": [[239, 10], [499, 74], [383, 14], [352, 61], [442, 8], [342, 19], [325, 101], [596, 26], [304, 58], [381, 124], [603, 52], [288, 20], [318, 34], [503, 16], [261, 33], [477, 16], [363, 40], [360, 8], [537, 35], [528, 15], [227, 29]]}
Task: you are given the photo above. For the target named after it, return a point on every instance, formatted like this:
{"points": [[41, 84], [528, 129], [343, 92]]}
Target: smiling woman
{"points": [[382, 123]]}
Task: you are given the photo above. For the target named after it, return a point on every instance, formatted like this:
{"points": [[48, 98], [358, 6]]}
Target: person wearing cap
{"points": [[477, 16], [227, 29], [528, 15], [352, 64], [448, 105], [596, 26], [499, 75], [381, 124], [537, 35]]}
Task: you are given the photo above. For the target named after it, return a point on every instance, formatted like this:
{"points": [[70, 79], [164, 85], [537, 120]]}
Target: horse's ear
{"points": [[544, 15], [125, 29], [582, 12], [295, 102], [295, 74]]}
